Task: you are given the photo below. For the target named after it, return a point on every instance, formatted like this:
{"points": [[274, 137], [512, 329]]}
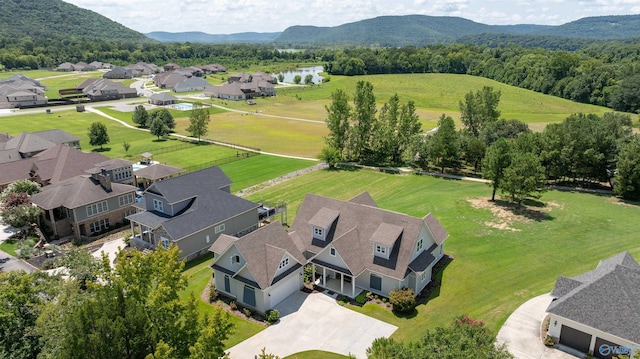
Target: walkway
{"points": [[521, 332], [315, 322]]}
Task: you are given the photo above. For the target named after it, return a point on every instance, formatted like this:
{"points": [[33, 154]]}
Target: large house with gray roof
{"points": [[19, 91], [191, 211], [352, 246], [598, 312], [105, 89]]}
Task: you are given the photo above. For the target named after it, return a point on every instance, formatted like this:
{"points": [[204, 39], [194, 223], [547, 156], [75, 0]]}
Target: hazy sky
{"points": [[233, 16]]}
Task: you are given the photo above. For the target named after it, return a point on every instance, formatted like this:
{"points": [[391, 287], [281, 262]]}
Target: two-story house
{"points": [[84, 205], [192, 211], [352, 246], [118, 170]]}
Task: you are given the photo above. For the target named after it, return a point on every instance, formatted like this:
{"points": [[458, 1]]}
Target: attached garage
{"points": [[575, 339], [285, 288]]}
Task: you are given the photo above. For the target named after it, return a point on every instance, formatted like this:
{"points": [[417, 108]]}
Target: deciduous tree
{"points": [[98, 135], [627, 179], [338, 115], [444, 144], [140, 116], [495, 162], [363, 120], [479, 109], [198, 121], [158, 128], [524, 177]]}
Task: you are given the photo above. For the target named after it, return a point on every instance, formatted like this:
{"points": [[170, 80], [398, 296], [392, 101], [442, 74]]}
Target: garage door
{"points": [[575, 339], [285, 288], [605, 349]]}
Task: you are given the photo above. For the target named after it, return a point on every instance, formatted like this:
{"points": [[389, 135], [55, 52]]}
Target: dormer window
{"points": [[318, 233], [284, 263], [381, 250]]}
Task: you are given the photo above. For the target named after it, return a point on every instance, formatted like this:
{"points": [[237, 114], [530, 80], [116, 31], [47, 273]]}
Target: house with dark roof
{"points": [[84, 205], [155, 172], [191, 211], [598, 312], [27, 144], [352, 246], [105, 89], [118, 73]]}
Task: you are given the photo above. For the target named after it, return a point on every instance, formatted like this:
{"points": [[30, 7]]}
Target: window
{"points": [[158, 205], [219, 228], [317, 232], [97, 208], [381, 249], [423, 276], [284, 263], [96, 226], [235, 259], [207, 238], [419, 245], [165, 242], [126, 199], [332, 251]]}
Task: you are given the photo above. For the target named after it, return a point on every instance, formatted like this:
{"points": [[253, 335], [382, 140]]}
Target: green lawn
{"points": [[493, 270], [258, 169], [9, 247]]}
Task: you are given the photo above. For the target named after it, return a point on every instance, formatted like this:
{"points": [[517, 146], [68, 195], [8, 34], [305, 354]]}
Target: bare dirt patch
{"points": [[507, 213]]}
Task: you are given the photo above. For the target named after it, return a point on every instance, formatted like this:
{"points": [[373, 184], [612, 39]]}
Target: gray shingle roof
{"points": [[210, 204], [263, 250], [157, 171], [109, 165], [163, 96], [606, 298], [352, 231]]}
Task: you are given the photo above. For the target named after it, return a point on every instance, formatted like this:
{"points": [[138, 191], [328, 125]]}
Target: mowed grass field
{"points": [[493, 270]]}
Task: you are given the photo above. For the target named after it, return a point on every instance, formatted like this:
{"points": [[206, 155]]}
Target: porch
{"points": [[334, 280]]}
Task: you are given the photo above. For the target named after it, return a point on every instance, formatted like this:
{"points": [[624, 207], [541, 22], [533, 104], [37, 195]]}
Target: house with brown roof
{"points": [[20, 91], [117, 169], [84, 205], [352, 246], [50, 166], [191, 211], [598, 312], [168, 79], [105, 89], [118, 73]]}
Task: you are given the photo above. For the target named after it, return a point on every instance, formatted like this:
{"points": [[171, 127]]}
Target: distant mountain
{"points": [[201, 37], [600, 27], [56, 19], [421, 30]]}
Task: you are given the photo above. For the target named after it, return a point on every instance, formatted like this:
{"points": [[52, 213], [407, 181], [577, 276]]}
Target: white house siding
{"points": [[427, 242], [336, 260], [284, 288], [556, 323], [388, 283]]}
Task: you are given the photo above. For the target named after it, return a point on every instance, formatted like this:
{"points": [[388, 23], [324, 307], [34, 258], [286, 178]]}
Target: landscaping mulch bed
{"points": [[225, 303]]}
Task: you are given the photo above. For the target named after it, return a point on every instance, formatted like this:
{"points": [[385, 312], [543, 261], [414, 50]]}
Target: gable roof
{"points": [[109, 165], [263, 251], [209, 203], [605, 298], [16, 148], [355, 228], [157, 171], [163, 96], [53, 165], [77, 191]]}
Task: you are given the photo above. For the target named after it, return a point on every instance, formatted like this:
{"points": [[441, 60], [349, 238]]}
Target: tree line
{"points": [[582, 149]]}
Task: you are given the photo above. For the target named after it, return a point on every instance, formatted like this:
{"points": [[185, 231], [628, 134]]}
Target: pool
{"points": [[182, 106]]}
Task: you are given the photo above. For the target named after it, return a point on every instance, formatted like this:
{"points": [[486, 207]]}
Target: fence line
{"points": [[239, 156]]}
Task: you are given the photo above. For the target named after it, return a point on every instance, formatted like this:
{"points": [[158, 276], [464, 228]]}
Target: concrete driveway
{"points": [[315, 322], [521, 332]]}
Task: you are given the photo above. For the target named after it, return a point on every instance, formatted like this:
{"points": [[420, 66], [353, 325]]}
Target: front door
{"points": [[227, 286]]}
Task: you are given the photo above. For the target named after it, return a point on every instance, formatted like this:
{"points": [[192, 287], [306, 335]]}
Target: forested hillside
{"points": [[56, 19]]}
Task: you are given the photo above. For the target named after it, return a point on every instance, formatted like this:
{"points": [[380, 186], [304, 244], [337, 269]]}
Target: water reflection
{"points": [[303, 72]]}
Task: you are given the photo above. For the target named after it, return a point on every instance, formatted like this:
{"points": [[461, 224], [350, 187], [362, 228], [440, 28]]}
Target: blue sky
{"points": [[233, 16]]}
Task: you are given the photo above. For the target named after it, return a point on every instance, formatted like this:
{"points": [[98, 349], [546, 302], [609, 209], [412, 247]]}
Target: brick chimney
{"points": [[104, 180]]}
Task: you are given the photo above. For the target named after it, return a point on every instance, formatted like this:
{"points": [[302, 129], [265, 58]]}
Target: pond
{"points": [[303, 72]]}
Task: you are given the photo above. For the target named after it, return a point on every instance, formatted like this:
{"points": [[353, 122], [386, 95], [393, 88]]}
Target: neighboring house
{"points": [[50, 166], [260, 269], [241, 77], [117, 169], [231, 91], [118, 73], [190, 84], [84, 205], [598, 312], [241, 90], [171, 66], [65, 67], [168, 79], [352, 246], [211, 68], [27, 144], [192, 211], [104, 89], [162, 99], [20, 91], [148, 175]]}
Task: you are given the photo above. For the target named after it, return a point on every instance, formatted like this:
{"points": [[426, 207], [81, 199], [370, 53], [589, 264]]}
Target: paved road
{"points": [[10, 263]]}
